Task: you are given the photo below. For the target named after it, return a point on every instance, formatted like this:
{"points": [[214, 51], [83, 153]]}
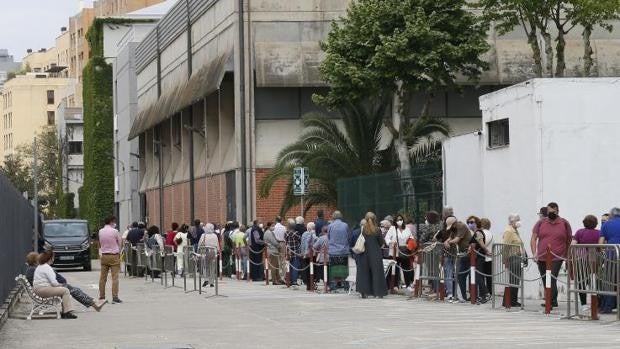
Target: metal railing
{"points": [[593, 270], [430, 261], [507, 271]]}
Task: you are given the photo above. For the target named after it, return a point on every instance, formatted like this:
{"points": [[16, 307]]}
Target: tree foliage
{"points": [[17, 171], [537, 16], [425, 44], [98, 188], [332, 152]]}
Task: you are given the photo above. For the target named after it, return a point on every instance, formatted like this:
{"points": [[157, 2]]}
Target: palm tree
{"points": [[331, 153]]}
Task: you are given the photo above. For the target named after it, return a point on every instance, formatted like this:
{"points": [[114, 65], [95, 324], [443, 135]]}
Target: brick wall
{"points": [[269, 207]]}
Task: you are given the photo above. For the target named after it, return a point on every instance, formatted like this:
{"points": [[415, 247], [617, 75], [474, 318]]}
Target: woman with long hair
{"points": [[370, 280], [397, 241]]}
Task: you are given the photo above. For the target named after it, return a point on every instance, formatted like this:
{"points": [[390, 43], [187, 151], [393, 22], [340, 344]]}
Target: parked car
{"points": [[70, 240]]}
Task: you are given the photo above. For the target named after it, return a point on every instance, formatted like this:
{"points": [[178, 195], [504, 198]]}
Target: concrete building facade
{"points": [[120, 42], [29, 102], [71, 141], [222, 86], [542, 140], [107, 8]]}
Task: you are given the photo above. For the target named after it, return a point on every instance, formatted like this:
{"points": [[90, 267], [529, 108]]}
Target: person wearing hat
{"points": [[457, 243]]}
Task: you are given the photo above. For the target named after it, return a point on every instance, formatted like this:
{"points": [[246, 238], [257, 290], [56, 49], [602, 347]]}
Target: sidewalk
{"points": [[256, 316]]}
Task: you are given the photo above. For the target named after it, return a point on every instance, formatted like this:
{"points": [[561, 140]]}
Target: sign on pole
{"points": [[300, 181]]}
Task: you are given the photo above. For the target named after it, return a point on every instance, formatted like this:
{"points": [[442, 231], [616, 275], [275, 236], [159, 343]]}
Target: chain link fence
{"points": [[16, 220], [382, 194]]}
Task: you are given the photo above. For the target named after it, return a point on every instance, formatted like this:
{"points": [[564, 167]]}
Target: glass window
{"points": [[50, 96], [499, 133], [51, 117], [75, 148]]}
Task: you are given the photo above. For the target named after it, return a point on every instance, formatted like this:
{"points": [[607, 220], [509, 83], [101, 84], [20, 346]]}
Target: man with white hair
{"points": [[307, 242], [209, 240]]}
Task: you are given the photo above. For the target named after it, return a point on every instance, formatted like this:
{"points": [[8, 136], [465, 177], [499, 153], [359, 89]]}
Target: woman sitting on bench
{"points": [[76, 292], [45, 285]]}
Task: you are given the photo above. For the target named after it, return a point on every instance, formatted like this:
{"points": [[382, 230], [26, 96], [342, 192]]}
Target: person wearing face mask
{"points": [[386, 227], [397, 242], [110, 243], [513, 257], [553, 232]]}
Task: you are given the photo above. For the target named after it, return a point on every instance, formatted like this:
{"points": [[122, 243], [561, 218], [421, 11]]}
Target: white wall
{"points": [[563, 139]]}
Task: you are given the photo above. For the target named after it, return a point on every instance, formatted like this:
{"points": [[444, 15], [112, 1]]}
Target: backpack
{"points": [[150, 242]]}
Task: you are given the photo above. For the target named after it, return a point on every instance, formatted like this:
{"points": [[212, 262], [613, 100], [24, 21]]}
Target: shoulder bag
{"points": [[360, 244]]}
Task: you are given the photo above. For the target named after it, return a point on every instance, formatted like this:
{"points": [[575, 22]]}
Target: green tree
{"points": [[396, 47], [590, 14], [16, 170], [49, 171], [332, 152]]}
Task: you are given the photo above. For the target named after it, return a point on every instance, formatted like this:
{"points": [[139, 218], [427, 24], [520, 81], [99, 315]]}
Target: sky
{"points": [[33, 24]]}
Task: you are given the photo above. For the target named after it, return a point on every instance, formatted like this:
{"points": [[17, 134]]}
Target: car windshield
{"points": [[67, 229]]}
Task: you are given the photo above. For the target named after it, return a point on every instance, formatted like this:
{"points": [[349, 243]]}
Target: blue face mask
{"points": [[471, 226]]}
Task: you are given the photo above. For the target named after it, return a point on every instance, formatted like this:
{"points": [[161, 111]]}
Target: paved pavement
{"points": [[256, 316]]}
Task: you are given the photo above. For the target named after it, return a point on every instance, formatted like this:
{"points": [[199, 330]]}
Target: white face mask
{"points": [[113, 225], [399, 223], [383, 230], [426, 222], [518, 224]]}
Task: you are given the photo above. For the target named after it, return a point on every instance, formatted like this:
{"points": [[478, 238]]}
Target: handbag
{"points": [[359, 246], [404, 251]]}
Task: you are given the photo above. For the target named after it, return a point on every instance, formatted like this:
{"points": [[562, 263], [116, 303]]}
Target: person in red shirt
{"points": [[553, 232], [170, 236]]}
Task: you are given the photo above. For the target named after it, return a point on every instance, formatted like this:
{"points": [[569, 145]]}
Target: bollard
{"points": [[548, 281], [472, 275], [442, 281], [266, 265], [311, 265], [325, 266], [393, 269], [247, 266], [507, 298], [219, 262]]}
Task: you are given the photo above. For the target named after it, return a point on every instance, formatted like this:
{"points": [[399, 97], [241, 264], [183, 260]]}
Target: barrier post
{"points": [[594, 299], [219, 257], [507, 298], [548, 281], [325, 266], [442, 280], [311, 266], [393, 269], [266, 265], [288, 269], [237, 264], [472, 275], [247, 266], [416, 277]]}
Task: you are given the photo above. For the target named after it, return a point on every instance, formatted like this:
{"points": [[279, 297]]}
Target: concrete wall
{"points": [[562, 135]]}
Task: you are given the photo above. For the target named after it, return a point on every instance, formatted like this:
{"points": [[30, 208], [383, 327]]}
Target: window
{"points": [[51, 118], [50, 96], [499, 133], [75, 148]]}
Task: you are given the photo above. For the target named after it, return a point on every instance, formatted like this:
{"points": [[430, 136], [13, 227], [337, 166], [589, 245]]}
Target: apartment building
{"points": [[29, 102], [7, 65]]}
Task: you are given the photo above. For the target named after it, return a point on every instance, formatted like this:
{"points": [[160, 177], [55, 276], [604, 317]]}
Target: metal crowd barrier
{"points": [[430, 262], [128, 252], [594, 270], [141, 258], [155, 263], [507, 271], [169, 265]]}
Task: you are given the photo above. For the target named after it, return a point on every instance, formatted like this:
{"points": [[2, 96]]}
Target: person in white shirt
{"points": [[45, 285], [488, 261], [181, 241], [210, 240], [396, 240], [279, 231]]}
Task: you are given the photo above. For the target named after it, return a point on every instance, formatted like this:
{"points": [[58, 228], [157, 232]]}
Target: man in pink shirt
{"points": [[110, 243], [554, 232]]}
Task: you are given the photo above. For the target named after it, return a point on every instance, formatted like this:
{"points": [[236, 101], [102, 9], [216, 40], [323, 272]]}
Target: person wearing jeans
{"points": [[553, 232], [458, 241], [448, 266]]}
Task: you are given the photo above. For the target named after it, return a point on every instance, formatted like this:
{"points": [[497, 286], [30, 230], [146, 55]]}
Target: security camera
{"points": [[478, 133]]}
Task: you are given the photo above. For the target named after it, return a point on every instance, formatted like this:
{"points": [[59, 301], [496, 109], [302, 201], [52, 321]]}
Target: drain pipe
{"points": [[242, 124]]}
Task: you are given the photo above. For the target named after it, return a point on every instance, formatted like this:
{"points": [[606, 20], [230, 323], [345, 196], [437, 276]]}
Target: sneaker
{"points": [[98, 305], [585, 309], [461, 301], [205, 283], [211, 285], [68, 315], [116, 300], [449, 299]]}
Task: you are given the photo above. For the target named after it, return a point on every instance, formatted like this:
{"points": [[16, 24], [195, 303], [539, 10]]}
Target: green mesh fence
{"points": [[382, 193]]}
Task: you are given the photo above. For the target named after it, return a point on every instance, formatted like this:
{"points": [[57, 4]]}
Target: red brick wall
{"points": [[269, 207], [152, 206]]}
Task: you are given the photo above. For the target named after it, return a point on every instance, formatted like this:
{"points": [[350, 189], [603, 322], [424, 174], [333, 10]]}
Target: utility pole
{"points": [[35, 239]]}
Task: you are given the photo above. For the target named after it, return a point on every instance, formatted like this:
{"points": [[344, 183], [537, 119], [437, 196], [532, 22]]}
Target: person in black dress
{"points": [[370, 279]]}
